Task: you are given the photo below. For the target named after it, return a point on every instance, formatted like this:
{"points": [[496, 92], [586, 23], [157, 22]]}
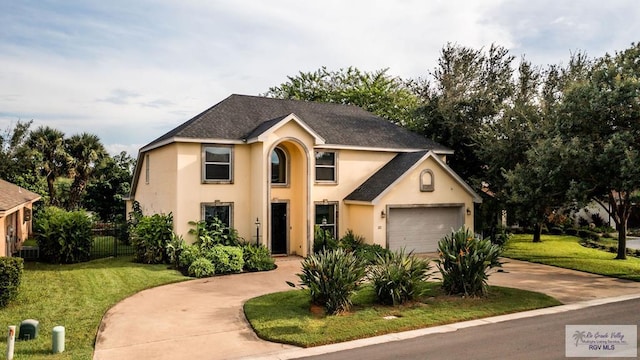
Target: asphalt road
{"points": [[541, 337]]}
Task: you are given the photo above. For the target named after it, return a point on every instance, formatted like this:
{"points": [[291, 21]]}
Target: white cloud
{"points": [[132, 71]]}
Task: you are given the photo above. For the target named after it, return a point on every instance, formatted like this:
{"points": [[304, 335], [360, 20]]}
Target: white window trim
{"points": [[204, 164], [335, 167]]}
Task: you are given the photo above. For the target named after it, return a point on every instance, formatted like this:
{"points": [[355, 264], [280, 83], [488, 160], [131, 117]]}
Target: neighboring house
{"points": [[16, 206], [281, 167]]}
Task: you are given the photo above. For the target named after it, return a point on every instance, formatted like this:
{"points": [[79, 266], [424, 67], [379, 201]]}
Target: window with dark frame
{"points": [[217, 160], [329, 213], [326, 166], [278, 166], [221, 211]]}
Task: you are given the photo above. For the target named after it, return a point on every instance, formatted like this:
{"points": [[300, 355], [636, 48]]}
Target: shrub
{"points": [[369, 253], [464, 261], [556, 230], [214, 232], [150, 237], [332, 276], [396, 277], [323, 239], [257, 258], [226, 259], [350, 241], [174, 249], [188, 255], [571, 231], [10, 278], [201, 267], [500, 235], [63, 236], [588, 234]]}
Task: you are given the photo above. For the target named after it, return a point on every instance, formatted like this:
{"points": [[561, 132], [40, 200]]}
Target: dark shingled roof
{"points": [[383, 178], [238, 117], [12, 195]]}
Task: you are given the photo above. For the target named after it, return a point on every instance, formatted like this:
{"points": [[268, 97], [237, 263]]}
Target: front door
{"points": [[279, 228]]}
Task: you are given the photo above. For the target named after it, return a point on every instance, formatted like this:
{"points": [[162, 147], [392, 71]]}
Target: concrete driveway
{"points": [[203, 319]]}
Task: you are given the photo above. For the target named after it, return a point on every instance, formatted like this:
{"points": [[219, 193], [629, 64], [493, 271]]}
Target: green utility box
{"points": [[28, 329]]}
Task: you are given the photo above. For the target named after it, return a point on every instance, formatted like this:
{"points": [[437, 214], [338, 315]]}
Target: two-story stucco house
{"points": [[289, 165]]}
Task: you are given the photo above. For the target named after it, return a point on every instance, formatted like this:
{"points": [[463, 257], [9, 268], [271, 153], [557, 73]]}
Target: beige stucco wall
{"points": [[447, 191], [158, 196], [192, 192], [298, 145], [21, 229], [354, 168]]}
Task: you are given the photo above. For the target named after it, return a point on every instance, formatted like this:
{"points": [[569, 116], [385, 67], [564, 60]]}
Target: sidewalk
{"points": [[203, 319]]}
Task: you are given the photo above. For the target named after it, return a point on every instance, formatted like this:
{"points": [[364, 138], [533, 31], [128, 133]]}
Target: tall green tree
{"points": [[468, 90], [48, 151], [85, 153], [536, 182], [378, 92], [600, 122], [111, 184], [16, 164]]}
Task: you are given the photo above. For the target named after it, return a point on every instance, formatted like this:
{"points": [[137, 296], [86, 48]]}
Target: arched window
{"points": [[278, 166], [426, 180]]}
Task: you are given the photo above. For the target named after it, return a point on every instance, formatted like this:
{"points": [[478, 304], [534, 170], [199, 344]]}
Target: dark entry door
{"points": [[279, 228]]}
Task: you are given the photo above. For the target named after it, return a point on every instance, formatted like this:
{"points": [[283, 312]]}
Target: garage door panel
{"points": [[419, 229]]}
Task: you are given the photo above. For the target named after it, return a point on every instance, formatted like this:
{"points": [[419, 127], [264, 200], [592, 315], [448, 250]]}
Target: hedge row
{"points": [[10, 278]]}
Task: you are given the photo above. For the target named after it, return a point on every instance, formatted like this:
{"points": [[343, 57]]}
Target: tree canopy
{"points": [[377, 92]]}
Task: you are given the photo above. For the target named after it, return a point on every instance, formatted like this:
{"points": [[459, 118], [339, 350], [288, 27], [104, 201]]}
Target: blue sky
{"points": [[129, 71]]}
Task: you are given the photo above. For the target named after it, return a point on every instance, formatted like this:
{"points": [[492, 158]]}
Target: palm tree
{"points": [[86, 153], [47, 147]]}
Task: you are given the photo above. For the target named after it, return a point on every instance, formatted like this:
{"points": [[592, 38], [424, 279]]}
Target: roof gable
{"points": [[268, 127], [375, 187], [12, 195]]}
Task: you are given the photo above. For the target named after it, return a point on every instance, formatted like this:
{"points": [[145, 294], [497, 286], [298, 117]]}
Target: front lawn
{"points": [[566, 251], [76, 297], [285, 317]]}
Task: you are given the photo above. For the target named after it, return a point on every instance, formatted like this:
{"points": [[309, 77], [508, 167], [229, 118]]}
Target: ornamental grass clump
{"points": [[332, 277], [396, 276], [464, 262]]}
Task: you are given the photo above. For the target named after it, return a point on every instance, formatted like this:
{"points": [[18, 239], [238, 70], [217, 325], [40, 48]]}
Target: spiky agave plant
{"points": [[464, 261]]}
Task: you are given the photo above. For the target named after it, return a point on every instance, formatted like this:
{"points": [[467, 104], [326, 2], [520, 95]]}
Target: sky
{"points": [[131, 70]]}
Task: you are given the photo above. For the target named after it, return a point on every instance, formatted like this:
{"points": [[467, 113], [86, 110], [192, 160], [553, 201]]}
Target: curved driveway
{"points": [[203, 319]]}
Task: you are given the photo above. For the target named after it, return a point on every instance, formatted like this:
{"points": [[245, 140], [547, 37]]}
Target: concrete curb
{"points": [[325, 349]]}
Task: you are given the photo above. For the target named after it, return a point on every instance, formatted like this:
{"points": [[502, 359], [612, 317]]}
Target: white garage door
{"points": [[420, 228]]}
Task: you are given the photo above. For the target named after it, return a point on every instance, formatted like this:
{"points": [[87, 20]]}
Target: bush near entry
{"points": [[63, 236]]}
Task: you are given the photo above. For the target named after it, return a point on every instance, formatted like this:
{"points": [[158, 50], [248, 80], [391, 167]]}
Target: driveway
{"points": [[203, 319]]}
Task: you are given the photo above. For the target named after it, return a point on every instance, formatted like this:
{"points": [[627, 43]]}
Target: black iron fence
{"points": [[109, 239]]}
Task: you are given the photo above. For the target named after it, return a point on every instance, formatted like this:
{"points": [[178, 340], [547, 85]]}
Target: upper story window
{"points": [[217, 163], [326, 166], [278, 166]]}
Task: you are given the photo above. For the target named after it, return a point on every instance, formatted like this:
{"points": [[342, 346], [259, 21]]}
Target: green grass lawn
{"points": [[76, 297], [285, 317], [566, 252]]}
